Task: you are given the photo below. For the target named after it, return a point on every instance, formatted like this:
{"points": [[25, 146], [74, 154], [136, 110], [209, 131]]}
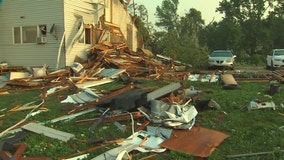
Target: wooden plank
{"points": [[49, 132], [89, 84], [163, 91], [278, 75], [17, 75], [121, 117], [228, 79]]}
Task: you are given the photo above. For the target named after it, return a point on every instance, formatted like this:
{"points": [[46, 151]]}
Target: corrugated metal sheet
{"points": [[86, 95]]}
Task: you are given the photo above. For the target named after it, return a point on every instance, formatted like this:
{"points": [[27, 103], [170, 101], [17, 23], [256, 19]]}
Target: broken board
{"points": [[49, 132]]}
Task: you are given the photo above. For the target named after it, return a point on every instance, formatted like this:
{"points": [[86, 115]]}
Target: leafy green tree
{"points": [[167, 23], [189, 29], [247, 14], [223, 35], [257, 30], [275, 25], [178, 36], [141, 20], [190, 25], [167, 15]]}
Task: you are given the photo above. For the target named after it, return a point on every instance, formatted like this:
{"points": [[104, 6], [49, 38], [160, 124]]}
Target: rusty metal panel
{"points": [[197, 141]]}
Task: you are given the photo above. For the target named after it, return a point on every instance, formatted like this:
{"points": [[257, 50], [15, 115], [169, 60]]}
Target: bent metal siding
{"points": [[74, 12], [24, 13]]}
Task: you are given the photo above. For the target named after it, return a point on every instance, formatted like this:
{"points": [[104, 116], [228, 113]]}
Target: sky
{"points": [[206, 7]]}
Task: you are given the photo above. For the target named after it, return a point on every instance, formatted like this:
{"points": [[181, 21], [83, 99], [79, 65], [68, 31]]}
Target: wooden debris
{"points": [[17, 155], [52, 133], [229, 81], [113, 118]]}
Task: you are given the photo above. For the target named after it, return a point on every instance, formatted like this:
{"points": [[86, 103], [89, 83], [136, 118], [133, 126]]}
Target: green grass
{"points": [[249, 131]]}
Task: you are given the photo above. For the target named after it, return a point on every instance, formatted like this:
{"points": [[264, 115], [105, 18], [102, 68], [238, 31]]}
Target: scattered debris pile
{"points": [[136, 64], [161, 118]]}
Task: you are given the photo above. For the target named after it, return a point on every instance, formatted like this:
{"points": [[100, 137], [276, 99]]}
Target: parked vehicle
{"points": [[275, 59], [221, 58]]}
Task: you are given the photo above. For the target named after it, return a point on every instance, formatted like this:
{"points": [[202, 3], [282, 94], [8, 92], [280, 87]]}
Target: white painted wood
{"points": [[64, 15], [27, 13], [49, 132], [163, 91]]}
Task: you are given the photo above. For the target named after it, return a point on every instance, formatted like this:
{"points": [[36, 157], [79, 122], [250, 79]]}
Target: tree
{"points": [[249, 15], [141, 20], [190, 25], [275, 25], [223, 35], [167, 15], [178, 36]]}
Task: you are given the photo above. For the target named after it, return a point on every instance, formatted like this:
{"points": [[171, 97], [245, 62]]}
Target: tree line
{"points": [[251, 28]]}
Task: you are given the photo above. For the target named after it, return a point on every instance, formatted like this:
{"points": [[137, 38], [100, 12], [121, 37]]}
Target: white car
{"points": [[275, 59], [221, 58]]}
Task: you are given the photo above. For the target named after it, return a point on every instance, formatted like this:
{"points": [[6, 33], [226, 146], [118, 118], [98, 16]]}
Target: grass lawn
{"points": [[251, 131]]}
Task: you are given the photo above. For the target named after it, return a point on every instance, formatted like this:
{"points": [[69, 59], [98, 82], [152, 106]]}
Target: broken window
{"points": [[86, 35], [28, 34], [42, 30], [80, 32]]}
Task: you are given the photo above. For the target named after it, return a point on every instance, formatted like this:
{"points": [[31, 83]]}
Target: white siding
{"points": [[23, 13], [74, 11], [117, 14], [64, 14]]}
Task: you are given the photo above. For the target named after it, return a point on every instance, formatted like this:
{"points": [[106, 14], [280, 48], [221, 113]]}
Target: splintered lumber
{"points": [[18, 154], [278, 75], [113, 118]]}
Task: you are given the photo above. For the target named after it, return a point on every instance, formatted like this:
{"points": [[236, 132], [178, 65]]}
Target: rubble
{"points": [[169, 105], [161, 117]]}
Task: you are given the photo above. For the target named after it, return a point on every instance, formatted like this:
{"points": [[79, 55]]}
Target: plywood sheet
{"points": [[197, 141]]}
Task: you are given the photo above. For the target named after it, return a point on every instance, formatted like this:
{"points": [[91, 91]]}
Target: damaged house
{"points": [[56, 32]]}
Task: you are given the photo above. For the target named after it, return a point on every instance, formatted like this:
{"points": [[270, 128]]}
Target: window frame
{"points": [[87, 35], [19, 39]]}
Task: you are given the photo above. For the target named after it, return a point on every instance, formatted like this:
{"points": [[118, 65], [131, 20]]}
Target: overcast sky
{"points": [[206, 7]]}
